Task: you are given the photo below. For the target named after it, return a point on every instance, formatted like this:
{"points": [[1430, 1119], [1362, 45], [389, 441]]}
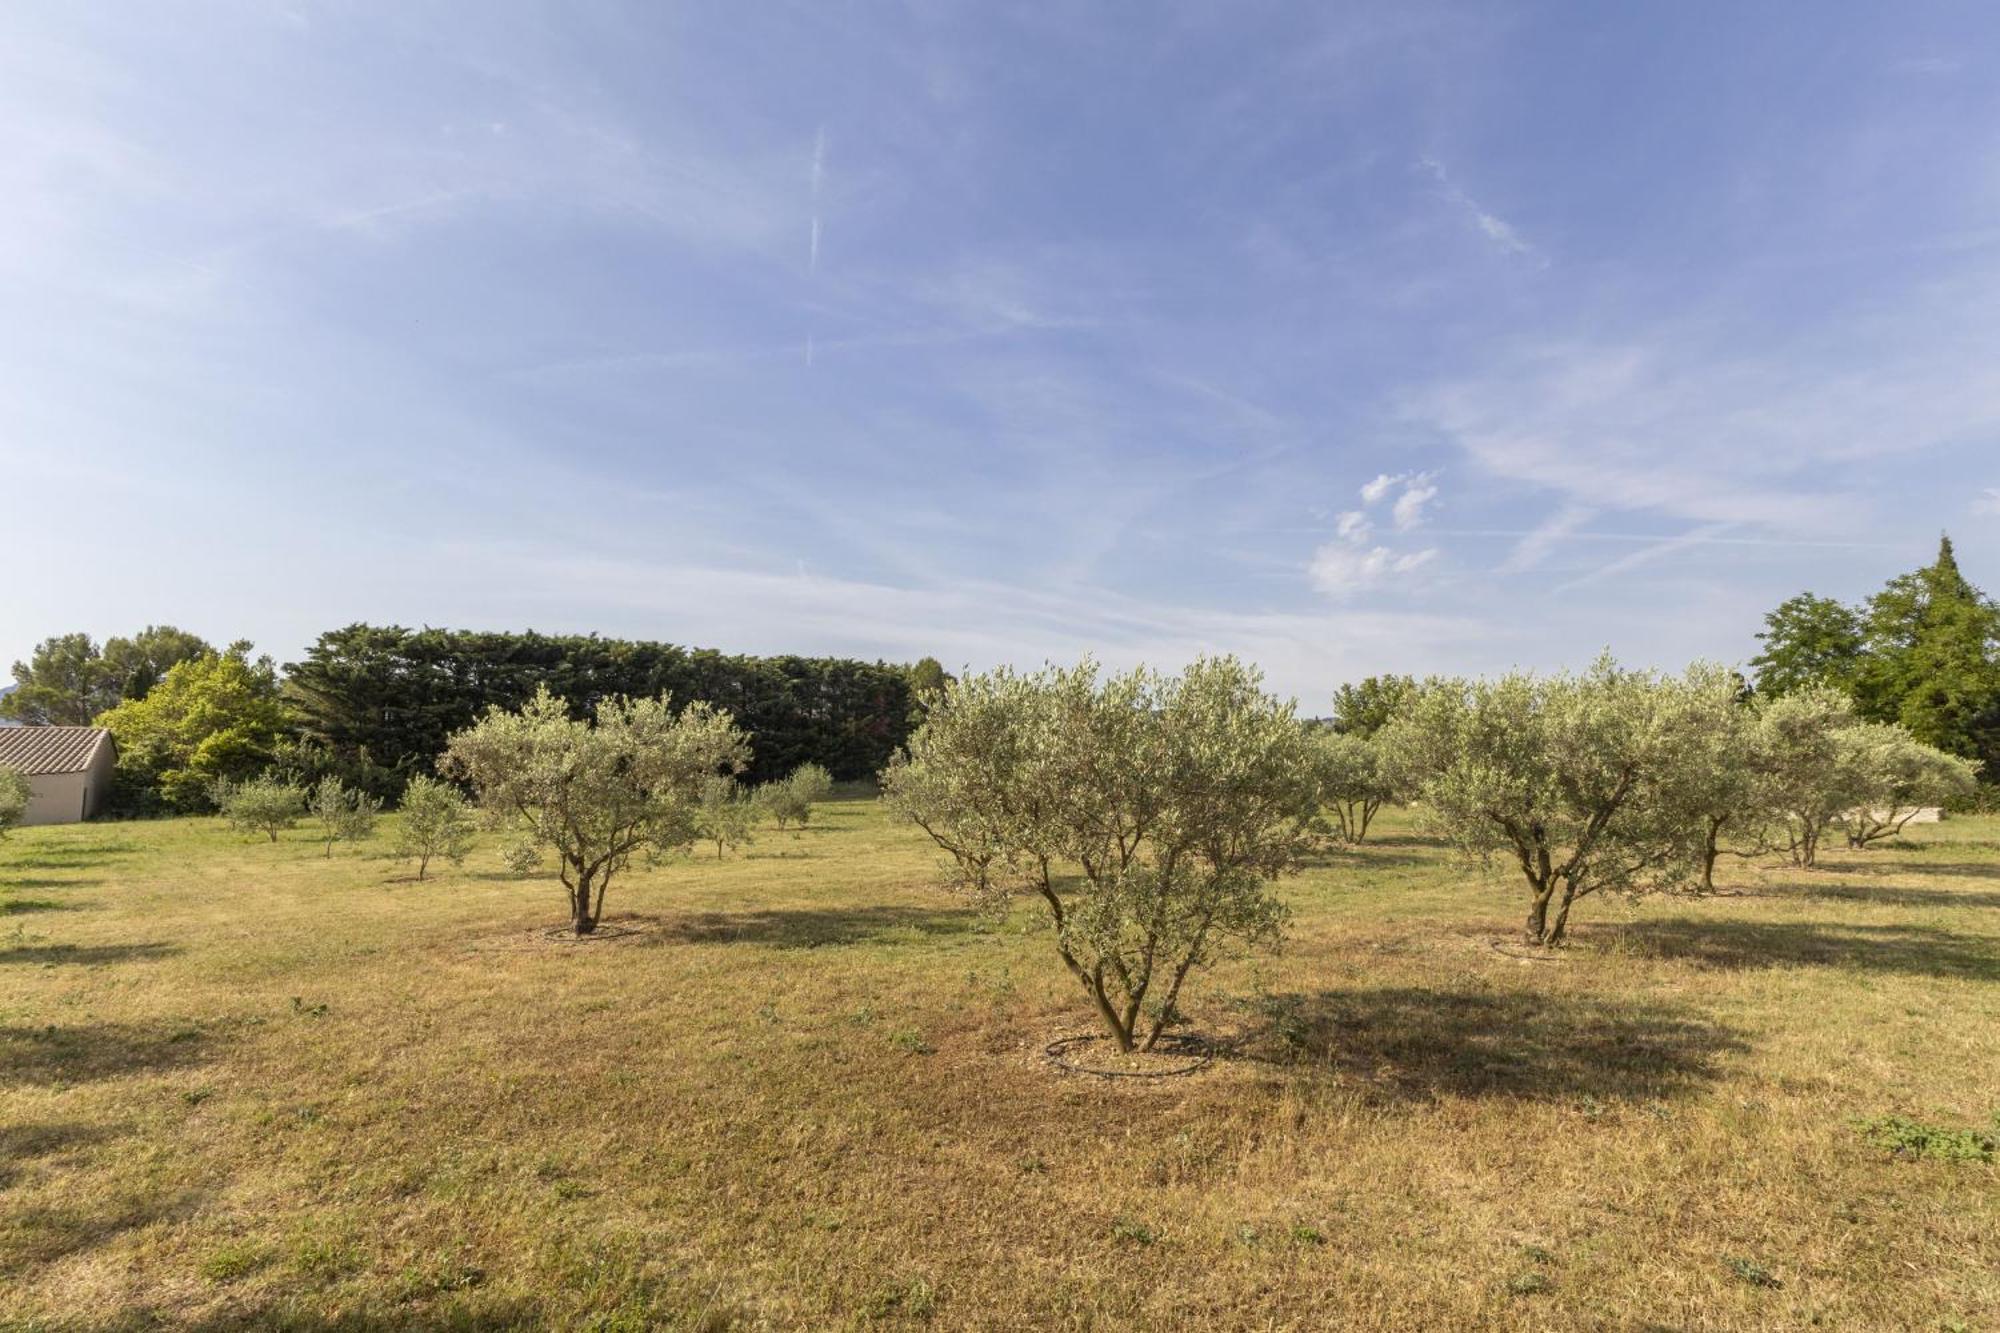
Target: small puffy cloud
{"points": [[1419, 491], [1373, 492], [1353, 526], [1343, 569]]}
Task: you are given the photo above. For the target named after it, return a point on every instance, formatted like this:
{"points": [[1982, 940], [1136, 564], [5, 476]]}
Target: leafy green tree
{"points": [[15, 793], [62, 684], [210, 718], [68, 681], [1588, 782], [132, 667], [594, 792], [727, 815], [1172, 803], [343, 815], [1353, 784], [436, 820], [264, 805], [1931, 660], [1808, 640], [1365, 707]]}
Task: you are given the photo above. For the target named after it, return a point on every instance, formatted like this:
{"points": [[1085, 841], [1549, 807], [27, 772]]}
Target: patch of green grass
{"points": [[1912, 1138], [1753, 1273], [239, 1259]]}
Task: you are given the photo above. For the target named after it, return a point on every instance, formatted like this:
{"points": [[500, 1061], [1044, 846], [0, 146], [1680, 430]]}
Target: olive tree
{"points": [[344, 814], [1149, 814], [1810, 777], [15, 793], [266, 805], [1353, 783], [791, 801], [726, 816], [1901, 777], [1732, 793], [594, 792], [436, 821], [1588, 782]]}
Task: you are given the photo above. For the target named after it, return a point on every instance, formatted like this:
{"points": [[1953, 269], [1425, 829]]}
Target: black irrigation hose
{"points": [[1203, 1053]]}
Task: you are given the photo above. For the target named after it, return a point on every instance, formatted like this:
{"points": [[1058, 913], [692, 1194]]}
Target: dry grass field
{"points": [[243, 1086]]}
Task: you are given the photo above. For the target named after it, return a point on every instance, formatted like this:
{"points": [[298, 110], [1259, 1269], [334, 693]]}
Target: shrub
{"points": [[727, 815], [15, 794], [791, 801], [343, 815], [262, 805], [437, 821]]}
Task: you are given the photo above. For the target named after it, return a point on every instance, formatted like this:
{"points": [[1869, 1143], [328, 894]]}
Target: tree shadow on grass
{"points": [[9, 882], [23, 1143], [1752, 945], [38, 1237], [1986, 870], [1886, 895], [23, 906], [85, 955], [1418, 1044], [463, 1315], [70, 856], [813, 928], [65, 1055]]}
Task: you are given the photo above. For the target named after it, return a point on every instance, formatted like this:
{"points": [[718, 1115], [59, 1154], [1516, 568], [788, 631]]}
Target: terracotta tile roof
{"points": [[39, 751]]}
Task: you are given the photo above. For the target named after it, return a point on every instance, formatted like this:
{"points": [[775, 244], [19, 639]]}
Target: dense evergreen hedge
{"points": [[383, 699]]}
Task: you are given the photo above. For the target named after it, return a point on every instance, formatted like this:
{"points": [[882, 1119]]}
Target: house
{"points": [[68, 769]]}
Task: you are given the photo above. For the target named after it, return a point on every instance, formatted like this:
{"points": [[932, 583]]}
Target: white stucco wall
{"points": [[58, 798], [65, 798]]}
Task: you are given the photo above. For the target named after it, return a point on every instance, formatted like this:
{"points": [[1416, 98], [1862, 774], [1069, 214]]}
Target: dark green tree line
{"points": [[378, 703]]}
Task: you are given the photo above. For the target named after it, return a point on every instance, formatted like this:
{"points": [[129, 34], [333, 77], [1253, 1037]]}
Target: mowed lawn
{"points": [[242, 1085]]}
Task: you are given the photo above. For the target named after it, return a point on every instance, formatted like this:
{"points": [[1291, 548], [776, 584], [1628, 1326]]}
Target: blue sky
{"points": [[1405, 337]]}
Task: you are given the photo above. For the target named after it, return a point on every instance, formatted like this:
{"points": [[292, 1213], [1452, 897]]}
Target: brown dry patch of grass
{"points": [[242, 1086]]}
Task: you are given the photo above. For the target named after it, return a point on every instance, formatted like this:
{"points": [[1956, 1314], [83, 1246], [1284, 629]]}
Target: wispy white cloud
{"points": [[1646, 555], [818, 176], [1689, 421], [1535, 546], [1491, 225], [1987, 501], [1353, 526], [1343, 569], [1385, 482], [1931, 66]]}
